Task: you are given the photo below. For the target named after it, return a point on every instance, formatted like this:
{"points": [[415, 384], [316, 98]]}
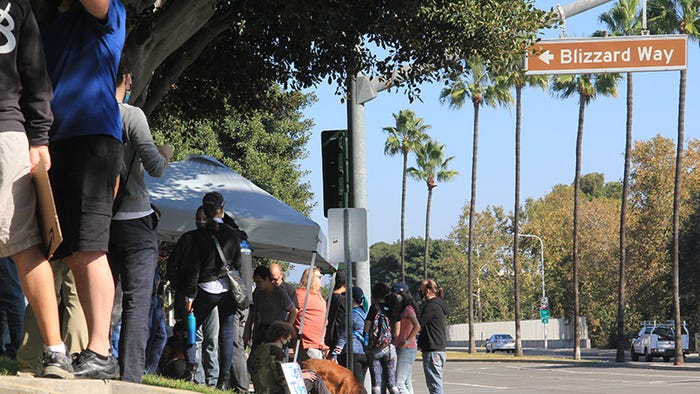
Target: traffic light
{"points": [[337, 170]]}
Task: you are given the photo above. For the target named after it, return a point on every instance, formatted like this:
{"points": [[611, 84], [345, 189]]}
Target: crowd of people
{"points": [[95, 306]]}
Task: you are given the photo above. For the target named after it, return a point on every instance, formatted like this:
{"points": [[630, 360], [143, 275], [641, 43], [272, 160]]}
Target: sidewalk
{"points": [[28, 384]]}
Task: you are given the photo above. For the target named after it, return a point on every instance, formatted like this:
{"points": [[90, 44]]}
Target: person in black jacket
{"points": [[206, 284], [432, 338]]}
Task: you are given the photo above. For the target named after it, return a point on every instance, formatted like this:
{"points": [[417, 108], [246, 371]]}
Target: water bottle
{"points": [[191, 329]]}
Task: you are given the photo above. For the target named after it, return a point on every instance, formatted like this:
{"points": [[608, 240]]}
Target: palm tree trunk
{"points": [[472, 205], [516, 221], [678, 359], [403, 217], [577, 192], [427, 233], [621, 340]]}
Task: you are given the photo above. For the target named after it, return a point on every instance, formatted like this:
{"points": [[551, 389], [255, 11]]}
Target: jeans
{"points": [[433, 362], [11, 308], [404, 367], [383, 362], [202, 305], [239, 370], [157, 336], [208, 350], [133, 258]]}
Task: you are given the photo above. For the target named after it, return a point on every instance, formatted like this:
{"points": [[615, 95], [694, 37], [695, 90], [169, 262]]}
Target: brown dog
{"points": [[338, 379]]}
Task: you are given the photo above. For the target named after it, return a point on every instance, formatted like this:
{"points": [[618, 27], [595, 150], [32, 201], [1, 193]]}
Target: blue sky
{"points": [[548, 142]]}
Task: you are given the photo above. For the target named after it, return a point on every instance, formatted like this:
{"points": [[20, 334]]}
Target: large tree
{"points": [[518, 79], [479, 88], [405, 137], [622, 20], [431, 167], [586, 87], [302, 43], [683, 17]]}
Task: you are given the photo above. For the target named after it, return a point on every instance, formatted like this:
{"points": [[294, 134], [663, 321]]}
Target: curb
{"points": [[30, 385]]}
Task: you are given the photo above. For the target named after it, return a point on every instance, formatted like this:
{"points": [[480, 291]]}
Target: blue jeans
{"points": [[157, 336], [203, 303], [133, 258], [208, 350], [11, 308], [433, 362], [404, 367]]}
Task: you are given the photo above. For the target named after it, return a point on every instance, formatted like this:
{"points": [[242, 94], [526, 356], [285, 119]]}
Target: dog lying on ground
{"points": [[338, 379]]}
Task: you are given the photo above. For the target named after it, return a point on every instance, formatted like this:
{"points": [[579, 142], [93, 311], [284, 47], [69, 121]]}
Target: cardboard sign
{"points": [[49, 227]]}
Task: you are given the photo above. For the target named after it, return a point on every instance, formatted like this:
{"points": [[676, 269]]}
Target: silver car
{"points": [[503, 342]]}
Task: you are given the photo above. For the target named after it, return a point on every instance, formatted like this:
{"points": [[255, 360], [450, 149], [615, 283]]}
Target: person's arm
{"points": [[97, 8], [248, 328], [154, 161], [416, 328], [292, 315]]}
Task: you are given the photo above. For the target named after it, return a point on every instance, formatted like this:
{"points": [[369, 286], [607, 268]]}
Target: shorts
{"points": [[18, 221], [83, 175]]}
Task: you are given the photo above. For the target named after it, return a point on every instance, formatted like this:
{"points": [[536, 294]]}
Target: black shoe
{"points": [[88, 365], [56, 365], [223, 382]]}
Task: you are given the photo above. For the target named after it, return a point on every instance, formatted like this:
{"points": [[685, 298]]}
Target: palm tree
{"points": [[431, 167], [588, 87], [406, 136], [622, 20], [677, 16], [518, 79], [481, 89]]}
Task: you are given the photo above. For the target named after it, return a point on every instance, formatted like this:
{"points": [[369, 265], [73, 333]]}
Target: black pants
{"points": [[359, 365]]}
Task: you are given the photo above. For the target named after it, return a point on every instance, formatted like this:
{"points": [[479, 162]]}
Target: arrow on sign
{"points": [[546, 56]]}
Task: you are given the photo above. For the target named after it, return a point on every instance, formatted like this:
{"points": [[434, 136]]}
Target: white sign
{"points": [[356, 221], [295, 382]]}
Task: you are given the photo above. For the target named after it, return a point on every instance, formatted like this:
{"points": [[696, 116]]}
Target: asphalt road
{"points": [[600, 375]]}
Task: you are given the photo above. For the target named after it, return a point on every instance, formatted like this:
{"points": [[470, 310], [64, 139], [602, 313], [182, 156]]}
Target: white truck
{"points": [[658, 339]]}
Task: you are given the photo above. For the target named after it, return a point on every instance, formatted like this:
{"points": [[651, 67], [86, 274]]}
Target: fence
{"points": [[560, 333]]}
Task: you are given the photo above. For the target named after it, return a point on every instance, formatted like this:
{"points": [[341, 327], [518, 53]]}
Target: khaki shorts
{"points": [[18, 222]]}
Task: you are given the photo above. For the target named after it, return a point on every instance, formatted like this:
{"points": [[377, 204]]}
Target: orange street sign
{"points": [[607, 55]]}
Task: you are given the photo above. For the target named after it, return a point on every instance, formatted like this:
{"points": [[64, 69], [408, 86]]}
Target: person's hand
{"points": [[36, 153], [188, 306], [166, 151], [309, 375]]}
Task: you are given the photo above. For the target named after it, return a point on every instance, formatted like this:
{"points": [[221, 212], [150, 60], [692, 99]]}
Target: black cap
{"points": [[214, 199]]}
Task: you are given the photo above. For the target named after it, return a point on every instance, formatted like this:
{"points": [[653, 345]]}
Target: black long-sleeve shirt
{"points": [[433, 323], [25, 88]]}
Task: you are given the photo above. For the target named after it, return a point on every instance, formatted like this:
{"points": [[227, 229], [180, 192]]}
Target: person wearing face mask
{"points": [[206, 285], [432, 339], [133, 244]]}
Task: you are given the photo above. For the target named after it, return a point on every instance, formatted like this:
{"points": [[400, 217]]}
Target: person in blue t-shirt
{"points": [[83, 42]]}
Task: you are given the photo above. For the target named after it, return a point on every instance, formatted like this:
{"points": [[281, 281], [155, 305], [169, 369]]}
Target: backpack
{"points": [[380, 331]]}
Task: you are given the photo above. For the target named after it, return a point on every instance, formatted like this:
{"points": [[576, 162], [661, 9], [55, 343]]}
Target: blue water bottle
{"points": [[191, 329]]}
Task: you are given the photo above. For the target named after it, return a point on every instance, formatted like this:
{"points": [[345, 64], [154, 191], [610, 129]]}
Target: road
{"points": [[564, 376]]}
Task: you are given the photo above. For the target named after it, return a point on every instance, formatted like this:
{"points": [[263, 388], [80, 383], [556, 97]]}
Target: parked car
{"points": [[658, 339], [502, 342]]}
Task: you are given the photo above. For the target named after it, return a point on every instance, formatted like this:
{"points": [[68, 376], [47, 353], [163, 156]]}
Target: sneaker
{"points": [[87, 365], [56, 365]]}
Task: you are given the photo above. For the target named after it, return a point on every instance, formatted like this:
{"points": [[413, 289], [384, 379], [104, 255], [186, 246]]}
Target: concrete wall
{"points": [[560, 333]]}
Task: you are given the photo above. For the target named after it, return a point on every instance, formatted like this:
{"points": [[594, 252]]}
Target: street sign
{"points": [[544, 315], [544, 303], [607, 55]]}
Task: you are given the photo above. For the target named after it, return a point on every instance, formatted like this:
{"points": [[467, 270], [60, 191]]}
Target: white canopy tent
{"points": [[275, 230]]}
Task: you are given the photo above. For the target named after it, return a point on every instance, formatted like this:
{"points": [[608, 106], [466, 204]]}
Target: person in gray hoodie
{"points": [[133, 246], [432, 339]]}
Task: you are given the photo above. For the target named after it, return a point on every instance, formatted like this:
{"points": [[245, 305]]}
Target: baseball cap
{"points": [[213, 199], [399, 288]]}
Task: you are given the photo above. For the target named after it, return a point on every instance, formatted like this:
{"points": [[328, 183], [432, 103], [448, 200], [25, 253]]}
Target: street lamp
{"points": [[544, 297]]}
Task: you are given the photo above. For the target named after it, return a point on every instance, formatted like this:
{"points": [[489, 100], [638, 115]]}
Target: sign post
{"points": [[544, 316], [607, 55]]}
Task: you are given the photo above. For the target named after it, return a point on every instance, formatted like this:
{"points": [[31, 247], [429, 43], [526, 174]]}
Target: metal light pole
{"points": [[544, 296]]}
